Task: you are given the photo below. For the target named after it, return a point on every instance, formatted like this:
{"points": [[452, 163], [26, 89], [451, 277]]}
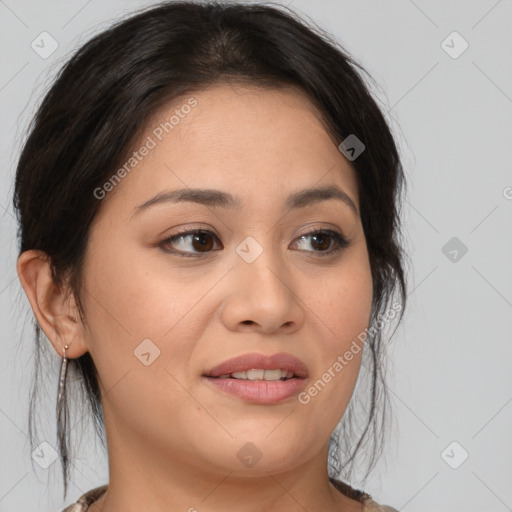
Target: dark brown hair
{"points": [[100, 103]]}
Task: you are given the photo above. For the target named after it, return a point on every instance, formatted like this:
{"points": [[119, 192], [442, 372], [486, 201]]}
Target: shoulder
{"points": [[372, 506], [368, 504], [83, 502]]}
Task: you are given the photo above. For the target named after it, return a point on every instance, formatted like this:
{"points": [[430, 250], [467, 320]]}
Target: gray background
{"points": [[450, 360]]}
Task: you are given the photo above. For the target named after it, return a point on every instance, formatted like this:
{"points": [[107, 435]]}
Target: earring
{"points": [[62, 378], [62, 416]]}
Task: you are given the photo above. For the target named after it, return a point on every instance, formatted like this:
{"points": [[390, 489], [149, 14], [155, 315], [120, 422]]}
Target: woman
{"points": [[209, 231]]}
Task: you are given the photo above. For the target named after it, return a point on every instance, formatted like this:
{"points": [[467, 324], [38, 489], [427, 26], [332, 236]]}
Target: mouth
{"points": [[271, 375], [259, 379]]}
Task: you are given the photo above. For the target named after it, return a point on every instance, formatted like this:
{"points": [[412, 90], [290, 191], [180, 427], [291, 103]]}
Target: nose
{"points": [[264, 296]]}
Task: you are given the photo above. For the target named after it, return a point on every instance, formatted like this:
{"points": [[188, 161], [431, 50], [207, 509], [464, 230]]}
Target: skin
{"points": [[172, 439]]}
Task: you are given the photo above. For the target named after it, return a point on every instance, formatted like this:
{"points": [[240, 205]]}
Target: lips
{"points": [[245, 378], [281, 361]]}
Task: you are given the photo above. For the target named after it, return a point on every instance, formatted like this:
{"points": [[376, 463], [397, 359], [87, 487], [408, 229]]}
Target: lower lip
{"points": [[259, 391]]}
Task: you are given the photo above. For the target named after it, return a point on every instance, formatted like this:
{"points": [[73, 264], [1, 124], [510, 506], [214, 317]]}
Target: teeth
{"points": [[271, 375], [267, 375]]}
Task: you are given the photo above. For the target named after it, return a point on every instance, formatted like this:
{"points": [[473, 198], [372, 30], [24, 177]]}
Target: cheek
{"points": [[141, 337], [133, 310], [343, 302], [342, 313]]}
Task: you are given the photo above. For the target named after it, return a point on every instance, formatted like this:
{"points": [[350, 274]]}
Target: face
{"points": [[263, 276]]}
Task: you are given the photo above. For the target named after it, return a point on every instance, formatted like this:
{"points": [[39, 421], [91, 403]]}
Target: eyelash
{"points": [[337, 237]]}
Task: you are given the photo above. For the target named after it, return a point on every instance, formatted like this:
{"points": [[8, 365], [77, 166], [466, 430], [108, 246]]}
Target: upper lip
{"points": [[280, 361]]}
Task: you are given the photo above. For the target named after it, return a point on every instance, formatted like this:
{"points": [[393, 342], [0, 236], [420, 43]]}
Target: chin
{"points": [[261, 453]]}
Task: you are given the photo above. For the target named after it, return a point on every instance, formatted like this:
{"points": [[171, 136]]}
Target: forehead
{"points": [[250, 141], [243, 118]]}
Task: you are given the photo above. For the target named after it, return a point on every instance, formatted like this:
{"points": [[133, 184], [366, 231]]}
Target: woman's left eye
{"points": [[202, 241], [325, 239]]}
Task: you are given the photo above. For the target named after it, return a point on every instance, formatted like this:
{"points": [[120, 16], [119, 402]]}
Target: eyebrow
{"points": [[218, 199]]}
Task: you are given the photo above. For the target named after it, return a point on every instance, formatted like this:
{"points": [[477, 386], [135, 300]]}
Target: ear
{"points": [[54, 306]]}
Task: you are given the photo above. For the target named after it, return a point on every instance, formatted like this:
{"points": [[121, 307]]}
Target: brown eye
{"points": [[190, 243], [202, 242], [322, 241]]}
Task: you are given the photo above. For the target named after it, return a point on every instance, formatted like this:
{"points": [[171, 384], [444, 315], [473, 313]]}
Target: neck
{"points": [[143, 478]]}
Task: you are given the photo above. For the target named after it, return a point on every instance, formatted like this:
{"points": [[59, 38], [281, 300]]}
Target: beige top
{"points": [[368, 505]]}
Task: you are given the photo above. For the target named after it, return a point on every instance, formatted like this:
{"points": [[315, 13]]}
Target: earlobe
{"points": [[54, 306]]}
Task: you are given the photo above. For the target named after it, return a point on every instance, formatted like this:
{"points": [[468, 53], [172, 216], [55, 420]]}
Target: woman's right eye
{"points": [[199, 240]]}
